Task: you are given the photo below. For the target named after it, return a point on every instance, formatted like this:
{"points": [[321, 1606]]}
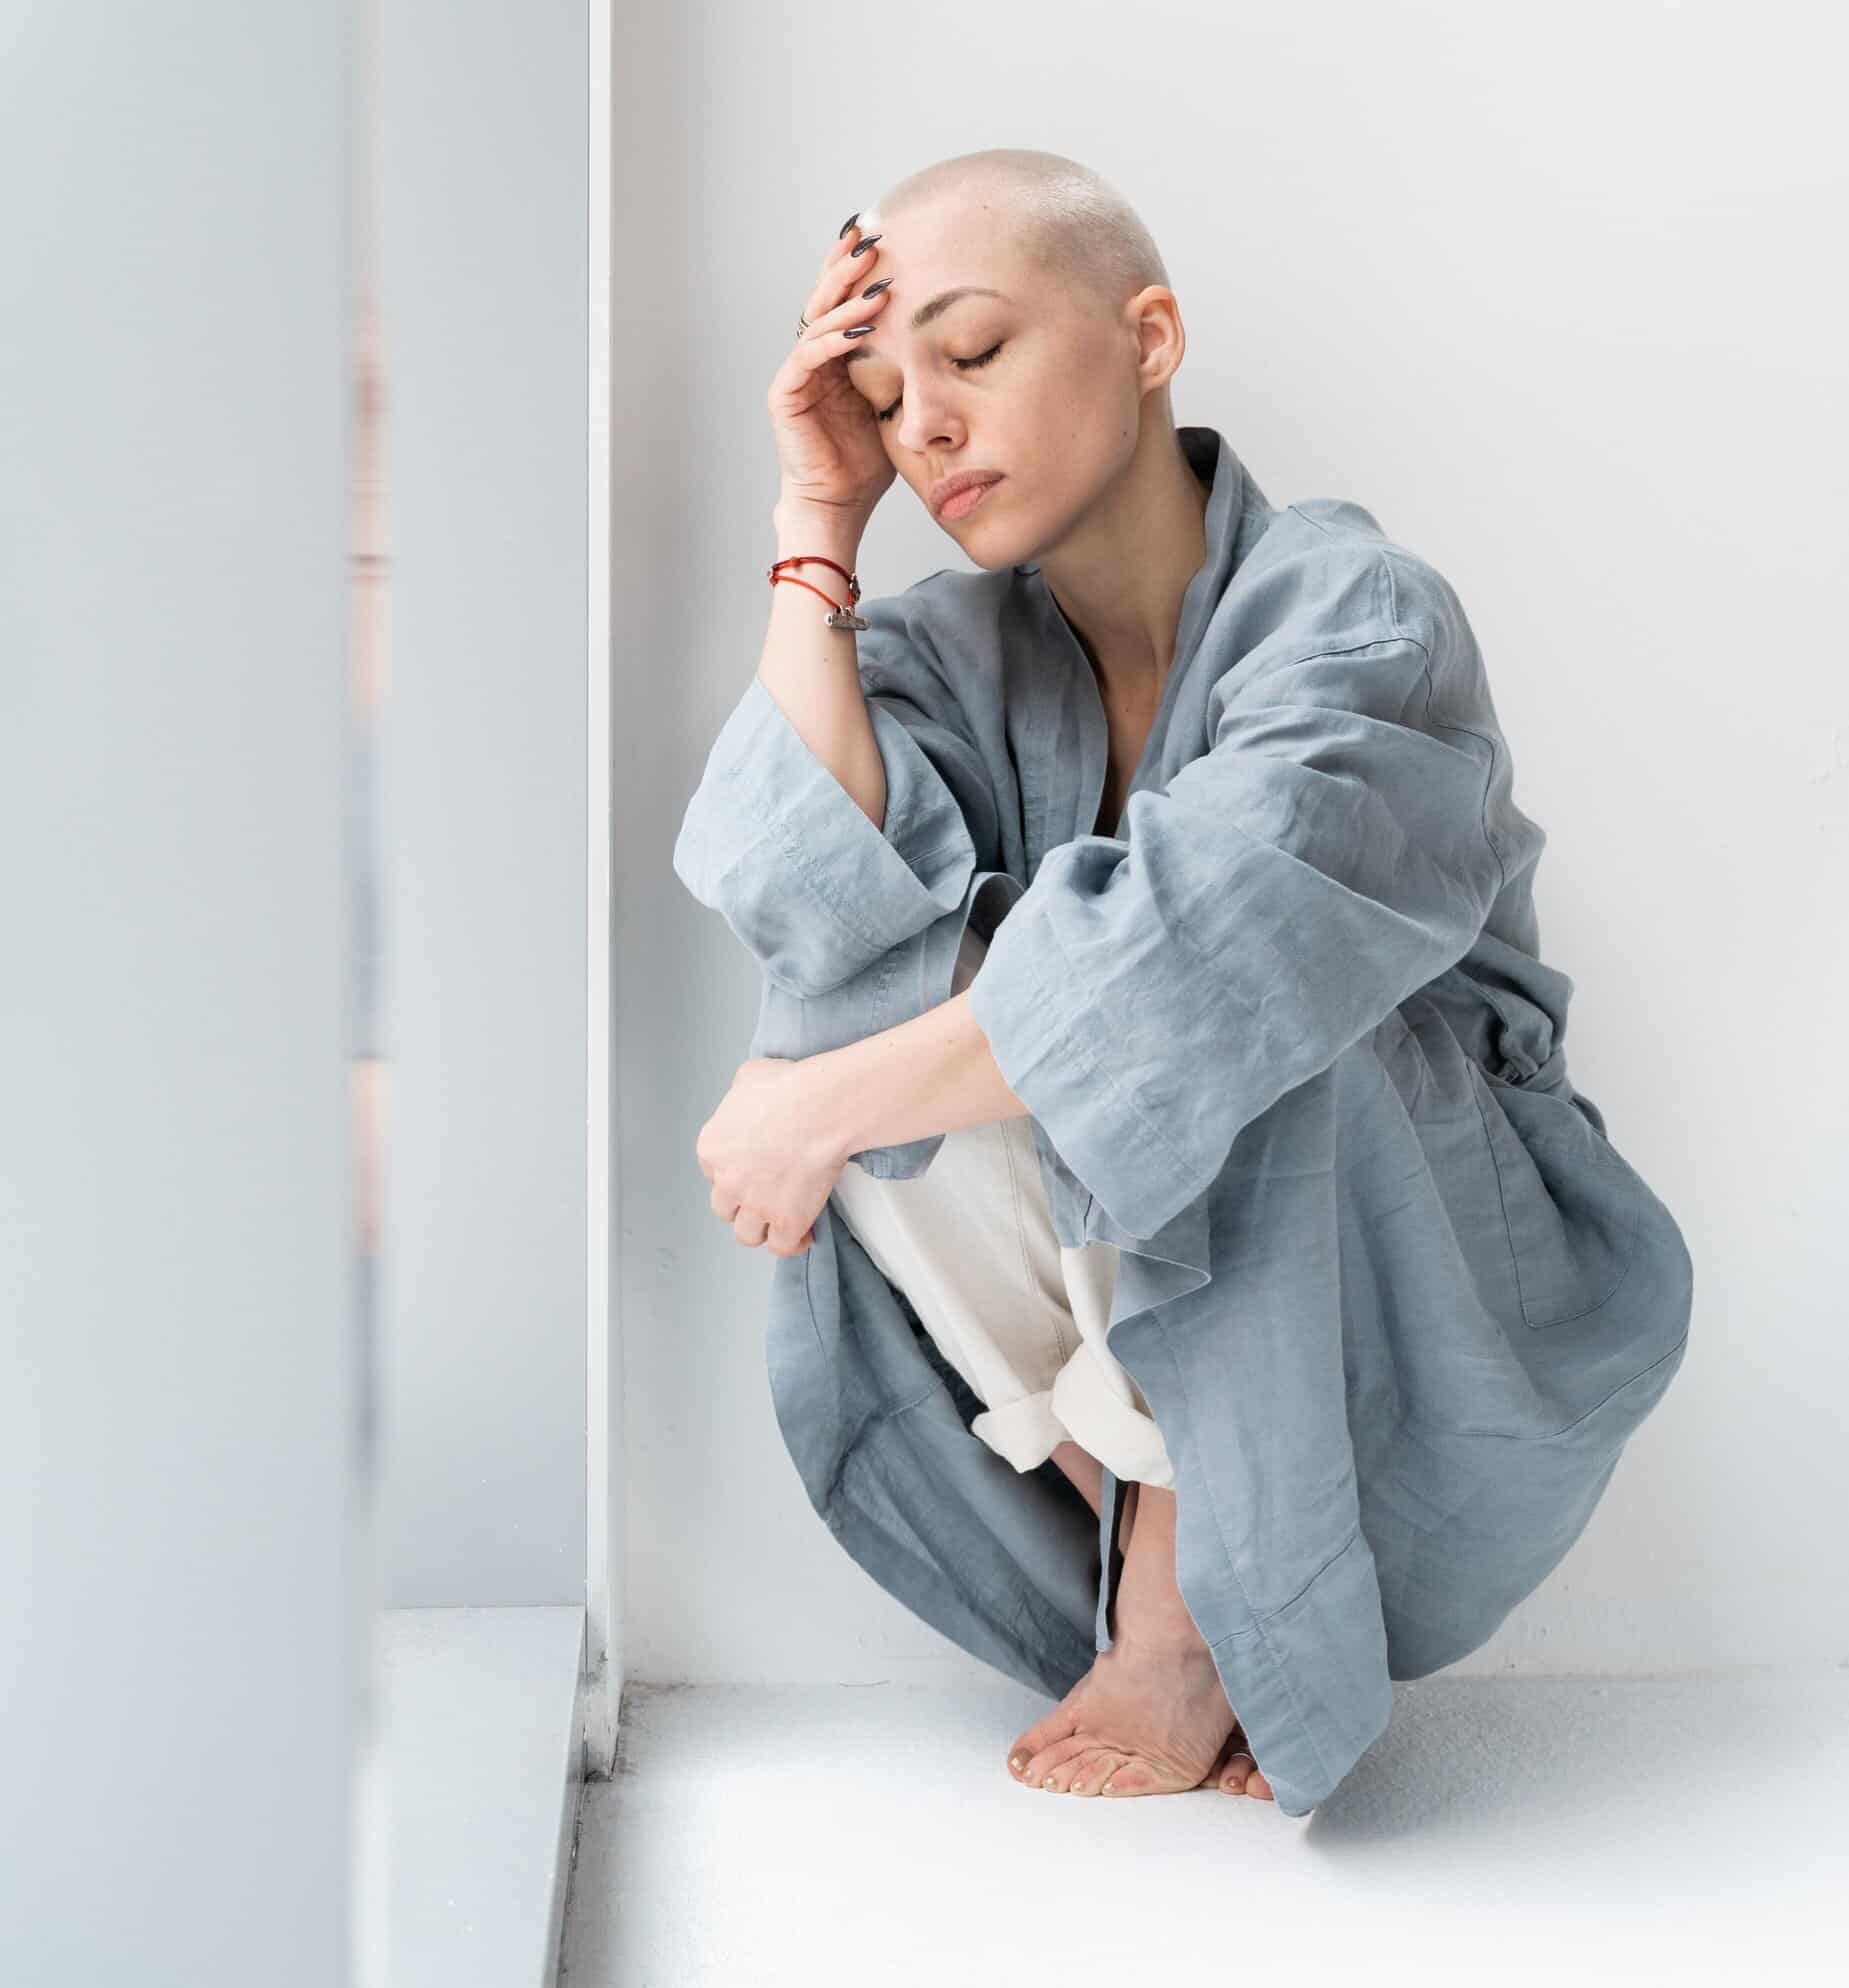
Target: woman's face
{"points": [[1034, 383]]}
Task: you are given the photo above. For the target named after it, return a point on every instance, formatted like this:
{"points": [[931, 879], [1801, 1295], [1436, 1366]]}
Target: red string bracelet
{"points": [[843, 615]]}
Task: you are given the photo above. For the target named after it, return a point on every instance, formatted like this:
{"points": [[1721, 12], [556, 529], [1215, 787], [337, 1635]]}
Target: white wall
{"points": [[482, 155], [1550, 294], [182, 1590]]}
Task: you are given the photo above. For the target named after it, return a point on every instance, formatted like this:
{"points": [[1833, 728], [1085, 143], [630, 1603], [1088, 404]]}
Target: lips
{"points": [[961, 493]]}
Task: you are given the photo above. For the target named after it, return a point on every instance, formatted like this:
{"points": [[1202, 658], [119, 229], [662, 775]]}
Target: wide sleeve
{"points": [[774, 842], [1148, 998]]}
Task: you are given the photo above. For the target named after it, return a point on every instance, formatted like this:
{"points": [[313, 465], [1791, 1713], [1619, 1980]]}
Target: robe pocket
{"points": [[1573, 1203]]}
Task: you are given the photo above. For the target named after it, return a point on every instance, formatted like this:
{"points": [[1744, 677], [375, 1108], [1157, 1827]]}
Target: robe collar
{"points": [[1153, 1269], [1233, 499]]}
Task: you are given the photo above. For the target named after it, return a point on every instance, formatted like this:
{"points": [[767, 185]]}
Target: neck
{"points": [[1120, 574]]}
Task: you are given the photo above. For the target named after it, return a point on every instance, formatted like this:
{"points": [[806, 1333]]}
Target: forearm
{"points": [[812, 670], [934, 1073]]}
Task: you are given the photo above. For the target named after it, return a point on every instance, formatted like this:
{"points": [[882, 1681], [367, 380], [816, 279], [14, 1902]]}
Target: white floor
{"points": [[1585, 1832]]}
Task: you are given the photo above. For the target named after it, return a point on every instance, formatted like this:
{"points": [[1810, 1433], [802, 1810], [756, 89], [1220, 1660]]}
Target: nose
{"points": [[925, 424]]}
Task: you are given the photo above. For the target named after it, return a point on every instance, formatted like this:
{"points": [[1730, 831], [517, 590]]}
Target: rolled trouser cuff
{"points": [[1025, 1432], [1082, 1407], [1099, 1419]]}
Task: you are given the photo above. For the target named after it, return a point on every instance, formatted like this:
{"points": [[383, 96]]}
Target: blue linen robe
{"points": [[1395, 1299]]}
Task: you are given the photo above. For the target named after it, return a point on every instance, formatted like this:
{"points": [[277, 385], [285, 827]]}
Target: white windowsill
{"points": [[471, 1801]]}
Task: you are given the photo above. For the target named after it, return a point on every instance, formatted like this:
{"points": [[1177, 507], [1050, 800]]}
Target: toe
{"points": [[1093, 1769], [1212, 1777], [1051, 1767], [1238, 1769], [1256, 1784], [1059, 1724], [1129, 1776]]}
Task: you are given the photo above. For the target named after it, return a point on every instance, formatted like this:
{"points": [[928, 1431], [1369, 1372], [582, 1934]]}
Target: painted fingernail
{"points": [[847, 224], [873, 289], [861, 247]]}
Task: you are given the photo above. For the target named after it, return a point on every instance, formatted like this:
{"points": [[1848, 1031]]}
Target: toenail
{"points": [[1018, 1762]]}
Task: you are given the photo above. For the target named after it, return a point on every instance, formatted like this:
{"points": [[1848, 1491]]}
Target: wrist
{"points": [[832, 1086], [828, 534]]}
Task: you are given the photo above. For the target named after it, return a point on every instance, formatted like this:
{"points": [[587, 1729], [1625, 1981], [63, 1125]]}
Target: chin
{"points": [[993, 551], [989, 560]]}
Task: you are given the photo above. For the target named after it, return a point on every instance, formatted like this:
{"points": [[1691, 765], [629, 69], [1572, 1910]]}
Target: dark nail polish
{"points": [[860, 248], [857, 331], [873, 289], [847, 224]]}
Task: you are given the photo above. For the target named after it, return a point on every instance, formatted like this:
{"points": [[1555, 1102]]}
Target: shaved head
{"points": [[1064, 218], [1028, 328]]}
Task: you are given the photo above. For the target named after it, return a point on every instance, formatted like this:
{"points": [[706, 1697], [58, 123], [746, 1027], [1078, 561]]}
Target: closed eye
{"points": [[963, 365]]}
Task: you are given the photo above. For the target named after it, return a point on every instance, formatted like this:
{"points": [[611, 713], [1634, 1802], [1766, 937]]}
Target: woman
{"points": [[1159, 888]]}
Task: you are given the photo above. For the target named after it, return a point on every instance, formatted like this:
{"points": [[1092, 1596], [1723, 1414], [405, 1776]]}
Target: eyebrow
{"points": [[936, 308]]}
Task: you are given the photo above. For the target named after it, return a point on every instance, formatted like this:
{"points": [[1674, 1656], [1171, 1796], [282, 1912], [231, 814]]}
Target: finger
{"points": [[843, 273], [827, 337], [750, 1228], [780, 1244], [839, 301]]}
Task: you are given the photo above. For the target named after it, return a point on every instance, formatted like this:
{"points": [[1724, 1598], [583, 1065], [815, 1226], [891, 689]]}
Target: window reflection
{"points": [[367, 647]]}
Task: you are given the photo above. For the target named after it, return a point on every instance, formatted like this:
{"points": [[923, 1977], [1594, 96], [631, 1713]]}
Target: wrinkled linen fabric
{"points": [[971, 1246], [1393, 1296]]}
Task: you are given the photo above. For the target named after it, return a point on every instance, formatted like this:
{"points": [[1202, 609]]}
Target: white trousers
{"points": [[1019, 1315]]}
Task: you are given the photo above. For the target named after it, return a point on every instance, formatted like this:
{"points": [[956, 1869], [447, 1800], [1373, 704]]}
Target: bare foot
{"points": [[1144, 1720], [1150, 1717], [1235, 1772]]}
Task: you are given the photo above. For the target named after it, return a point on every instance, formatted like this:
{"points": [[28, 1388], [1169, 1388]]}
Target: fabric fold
{"points": [[1323, 860], [1026, 1431], [1090, 1405], [774, 842]]}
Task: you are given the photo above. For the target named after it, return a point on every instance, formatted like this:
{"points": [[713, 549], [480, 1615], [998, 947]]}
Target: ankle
{"points": [[1159, 1621], [1083, 1471]]}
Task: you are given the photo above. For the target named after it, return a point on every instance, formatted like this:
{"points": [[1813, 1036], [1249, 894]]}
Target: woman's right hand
{"points": [[828, 438]]}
